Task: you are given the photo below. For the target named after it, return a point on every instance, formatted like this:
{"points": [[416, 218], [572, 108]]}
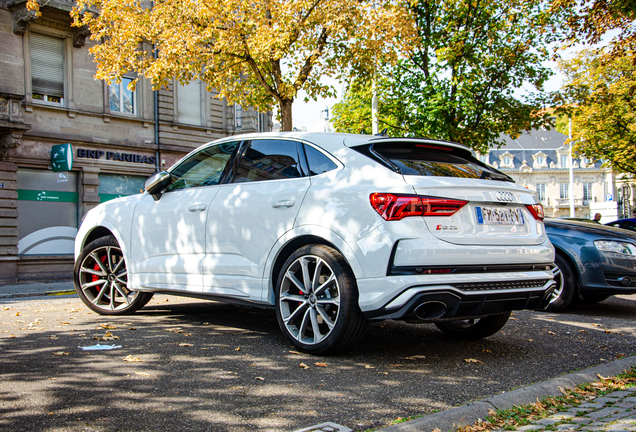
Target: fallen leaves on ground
{"points": [[174, 330], [303, 366], [131, 359], [185, 345], [106, 337], [237, 349], [107, 326], [142, 373], [259, 379], [472, 360], [295, 352], [321, 364], [551, 332], [60, 353]]}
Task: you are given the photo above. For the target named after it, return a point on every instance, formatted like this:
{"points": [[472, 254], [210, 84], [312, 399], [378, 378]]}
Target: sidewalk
{"points": [[37, 289], [612, 412]]}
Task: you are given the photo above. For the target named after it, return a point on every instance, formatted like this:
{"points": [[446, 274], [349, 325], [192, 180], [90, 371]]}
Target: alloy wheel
{"points": [[309, 299], [103, 279]]}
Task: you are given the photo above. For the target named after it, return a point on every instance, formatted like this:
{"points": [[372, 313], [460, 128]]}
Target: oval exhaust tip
{"points": [[430, 310]]}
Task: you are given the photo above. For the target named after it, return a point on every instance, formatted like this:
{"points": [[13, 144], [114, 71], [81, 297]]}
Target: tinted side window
{"points": [[318, 162], [629, 225], [203, 168], [269, 160]]}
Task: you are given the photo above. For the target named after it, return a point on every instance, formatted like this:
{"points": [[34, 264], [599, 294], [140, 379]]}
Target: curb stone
{"points": [[468, 414]]}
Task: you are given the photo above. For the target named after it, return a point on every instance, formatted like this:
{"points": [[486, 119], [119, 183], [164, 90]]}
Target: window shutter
{"points": [[189, 103], [47, 65]]}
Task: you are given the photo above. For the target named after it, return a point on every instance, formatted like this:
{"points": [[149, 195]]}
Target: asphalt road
{"points": [[210, 366]]}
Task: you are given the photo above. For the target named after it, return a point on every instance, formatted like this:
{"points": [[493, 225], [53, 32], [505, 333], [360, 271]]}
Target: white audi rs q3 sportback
{"points": [[331, 230]]}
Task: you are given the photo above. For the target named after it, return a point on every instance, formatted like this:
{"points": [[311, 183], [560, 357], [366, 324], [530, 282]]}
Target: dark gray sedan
{"points": [[593, 261]]}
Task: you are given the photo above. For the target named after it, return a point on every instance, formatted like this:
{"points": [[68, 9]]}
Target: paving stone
{"points": [[562, 416], [592, 405], [581, 420], [630, 399], [624, 421], [619, 394], [568, 426], [605, 412], [531, 428], [624, 405], [546, 422], [605, 399], [619, 415]]}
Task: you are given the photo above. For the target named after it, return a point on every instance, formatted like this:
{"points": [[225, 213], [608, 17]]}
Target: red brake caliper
{"points": [[97, 268]]}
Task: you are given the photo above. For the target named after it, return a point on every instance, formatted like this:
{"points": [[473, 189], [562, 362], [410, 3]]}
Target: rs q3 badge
{"points": [[446, 228]]}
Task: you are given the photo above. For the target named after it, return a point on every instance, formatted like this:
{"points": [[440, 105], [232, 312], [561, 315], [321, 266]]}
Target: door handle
{"points": [[197, 207], [288, 203]]}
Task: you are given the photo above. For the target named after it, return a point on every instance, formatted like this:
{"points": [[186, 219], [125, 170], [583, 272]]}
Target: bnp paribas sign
{"points": [[61, 157]]}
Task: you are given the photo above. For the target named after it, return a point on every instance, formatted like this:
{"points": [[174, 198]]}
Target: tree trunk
{"points": [[285, 107]]}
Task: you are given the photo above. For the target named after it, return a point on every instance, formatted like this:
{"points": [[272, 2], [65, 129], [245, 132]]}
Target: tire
{"points": [[473, 329], [565, 291], [324, 318], [101, 279]]}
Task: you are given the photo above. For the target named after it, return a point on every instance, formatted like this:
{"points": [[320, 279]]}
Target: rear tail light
{"points": [[396, 207], [536, 210]]}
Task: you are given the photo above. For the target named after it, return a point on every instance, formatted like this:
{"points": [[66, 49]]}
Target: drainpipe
{"points": [[155, 94], [572, 210]]}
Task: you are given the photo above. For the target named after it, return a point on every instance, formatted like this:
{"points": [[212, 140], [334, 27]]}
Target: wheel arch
{"points": [[572, 261], [288, 244], [103, 230]]}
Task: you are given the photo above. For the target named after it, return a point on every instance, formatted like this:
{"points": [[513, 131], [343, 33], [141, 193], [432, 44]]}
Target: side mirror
{"points": [[157, 183]]}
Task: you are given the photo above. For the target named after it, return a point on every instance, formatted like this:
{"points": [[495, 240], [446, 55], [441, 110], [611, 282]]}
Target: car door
{"points": [[250, 213], [169, 235]]}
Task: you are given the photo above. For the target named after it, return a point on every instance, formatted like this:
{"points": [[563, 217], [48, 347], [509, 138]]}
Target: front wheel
{"points": [[474, 328], [317, 301], [101, 279]]}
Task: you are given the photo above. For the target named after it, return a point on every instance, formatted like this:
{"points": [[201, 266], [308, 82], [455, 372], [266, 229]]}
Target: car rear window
{"points": [[430, 160]]}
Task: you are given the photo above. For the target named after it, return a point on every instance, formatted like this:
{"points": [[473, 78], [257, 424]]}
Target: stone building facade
{"points": [[49, 96], [539, 160]]}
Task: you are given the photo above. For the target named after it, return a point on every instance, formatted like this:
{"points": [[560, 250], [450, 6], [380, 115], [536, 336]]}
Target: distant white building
{"points": [[539, 161], [324, 124]]}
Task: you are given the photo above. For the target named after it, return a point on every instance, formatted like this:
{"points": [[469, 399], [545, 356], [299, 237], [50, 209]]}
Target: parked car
{"points": [[330, 230], [628, 224], [593, 261]]}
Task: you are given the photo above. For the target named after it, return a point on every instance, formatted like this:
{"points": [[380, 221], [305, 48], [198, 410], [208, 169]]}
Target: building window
{"points": [[587, 192], [564, 192], [507, 160], [238, 116], [47, 69], [541, 191], [122, 99], [564, 161], [483, 158], [540, 160], [189, 103]]}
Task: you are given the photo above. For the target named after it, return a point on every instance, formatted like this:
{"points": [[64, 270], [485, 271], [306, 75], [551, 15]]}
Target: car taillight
{"points": [[536, 210], [396, 207]]}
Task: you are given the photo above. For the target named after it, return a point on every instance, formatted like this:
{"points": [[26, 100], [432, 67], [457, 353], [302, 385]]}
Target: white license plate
{"points": [[499, 216]]}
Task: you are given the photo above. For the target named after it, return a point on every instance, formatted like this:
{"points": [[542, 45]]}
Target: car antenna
{"points": [[383, 133]]}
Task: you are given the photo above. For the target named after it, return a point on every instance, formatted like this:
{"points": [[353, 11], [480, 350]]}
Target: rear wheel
{"points": [[474, 328], [565, 279], [101, 279], [317, 301]]}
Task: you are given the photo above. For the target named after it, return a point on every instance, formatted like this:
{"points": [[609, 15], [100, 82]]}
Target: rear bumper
{"points": [[463, 299]]}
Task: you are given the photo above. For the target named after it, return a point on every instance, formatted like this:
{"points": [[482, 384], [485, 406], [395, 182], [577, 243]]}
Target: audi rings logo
{"points": [[504, 196]]}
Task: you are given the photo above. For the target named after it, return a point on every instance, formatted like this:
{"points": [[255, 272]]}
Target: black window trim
{"points": [[339, 165]]}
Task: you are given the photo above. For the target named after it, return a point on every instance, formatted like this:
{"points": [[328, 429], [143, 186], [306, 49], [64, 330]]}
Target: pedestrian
{"points": [[597, 218]]}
